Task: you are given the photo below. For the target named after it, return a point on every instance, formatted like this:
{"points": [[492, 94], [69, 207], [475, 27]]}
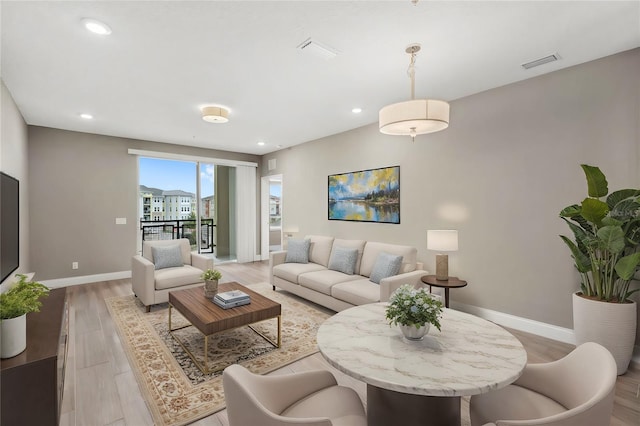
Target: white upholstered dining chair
{"points": [[310, 398], [577, 390]]}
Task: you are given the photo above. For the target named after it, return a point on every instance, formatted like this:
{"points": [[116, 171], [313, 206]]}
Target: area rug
{"points": [[175, 390]]}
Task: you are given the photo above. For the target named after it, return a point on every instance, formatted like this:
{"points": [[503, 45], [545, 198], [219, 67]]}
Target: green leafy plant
{"points": [[211, 275], [22, 298], [606, 231], [416, 307]]}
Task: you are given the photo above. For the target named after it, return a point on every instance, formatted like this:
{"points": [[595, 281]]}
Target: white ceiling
{"points": [[165, 60]]}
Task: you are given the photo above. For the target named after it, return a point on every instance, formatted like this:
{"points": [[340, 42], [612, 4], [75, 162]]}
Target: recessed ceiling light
{"points": [[96, 26], [356, 110], [86, 116], [261, 143]]}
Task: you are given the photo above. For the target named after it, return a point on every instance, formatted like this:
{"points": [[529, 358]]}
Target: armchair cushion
{"points": [[177, 277], [387, 265], [167, 257]]}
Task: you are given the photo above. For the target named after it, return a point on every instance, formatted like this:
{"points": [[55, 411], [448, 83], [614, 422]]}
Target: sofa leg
{"points": [[274, 287], [148, 308]]}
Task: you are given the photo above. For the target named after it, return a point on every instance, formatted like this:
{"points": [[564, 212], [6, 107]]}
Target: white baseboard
{"points": [[538, 328], [86, 279]]}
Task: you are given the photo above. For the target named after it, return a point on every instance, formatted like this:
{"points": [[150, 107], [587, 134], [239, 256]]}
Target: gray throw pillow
{"points": [[343, 260], [298, 251], [387, 265], [167, 257]]}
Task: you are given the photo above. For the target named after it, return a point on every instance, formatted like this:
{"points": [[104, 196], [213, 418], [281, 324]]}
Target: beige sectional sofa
{"points": [[336, 290]]}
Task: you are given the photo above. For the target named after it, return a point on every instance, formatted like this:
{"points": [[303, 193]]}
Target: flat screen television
{"points": [[9, 225]]}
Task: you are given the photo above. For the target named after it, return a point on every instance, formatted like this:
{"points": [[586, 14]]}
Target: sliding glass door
{"points": [[194, 200]]}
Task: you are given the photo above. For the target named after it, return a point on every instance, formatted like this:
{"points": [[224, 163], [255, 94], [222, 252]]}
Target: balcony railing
{"points": [[174, 229]]}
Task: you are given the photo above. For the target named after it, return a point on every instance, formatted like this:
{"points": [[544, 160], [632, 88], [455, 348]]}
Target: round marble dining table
{"points": [[420, 382]]}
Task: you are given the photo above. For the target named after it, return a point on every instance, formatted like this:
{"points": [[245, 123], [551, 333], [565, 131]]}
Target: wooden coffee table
{"points": [[210, 319]]}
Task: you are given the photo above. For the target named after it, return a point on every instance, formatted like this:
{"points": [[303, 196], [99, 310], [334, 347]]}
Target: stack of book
{"points": [[231, 299]]}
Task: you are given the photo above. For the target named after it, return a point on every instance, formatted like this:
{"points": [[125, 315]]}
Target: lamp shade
{"points": [[415, 117], [442, 240]]}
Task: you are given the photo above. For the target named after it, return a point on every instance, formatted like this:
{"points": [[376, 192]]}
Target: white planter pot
{"points": [[13, 336], [613, 325]]}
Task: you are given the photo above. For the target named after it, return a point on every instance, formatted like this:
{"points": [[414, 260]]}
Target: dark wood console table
{"points": [[32, 381]]}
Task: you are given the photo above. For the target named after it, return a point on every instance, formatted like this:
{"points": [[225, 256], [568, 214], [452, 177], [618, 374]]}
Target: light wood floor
{"points": [[100, 388]]}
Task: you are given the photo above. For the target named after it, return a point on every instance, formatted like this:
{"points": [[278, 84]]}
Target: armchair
{"points": [[152, 285], [311, 398], [577, 390]]}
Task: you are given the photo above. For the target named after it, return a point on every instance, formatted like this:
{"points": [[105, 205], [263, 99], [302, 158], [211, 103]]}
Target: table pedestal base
{"points": [[385, 407]]}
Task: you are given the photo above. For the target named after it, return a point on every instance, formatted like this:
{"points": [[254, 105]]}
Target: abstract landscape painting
{"points": [[366, 196]]}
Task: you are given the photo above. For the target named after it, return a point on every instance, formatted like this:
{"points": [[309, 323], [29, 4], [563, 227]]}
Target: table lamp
{"points": [[442, 240]]}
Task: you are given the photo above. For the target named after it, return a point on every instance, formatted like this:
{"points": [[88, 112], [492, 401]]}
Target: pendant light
{"points": [[417, 116]]}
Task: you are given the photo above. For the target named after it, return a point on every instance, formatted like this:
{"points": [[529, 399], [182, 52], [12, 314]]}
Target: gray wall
{"points": [[500, 174], [13, 161], [79, 184]]}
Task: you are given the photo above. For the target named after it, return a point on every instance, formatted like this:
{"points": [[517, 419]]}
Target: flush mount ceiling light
{"points": [[215, 114], [417, 116], [96, 26]]}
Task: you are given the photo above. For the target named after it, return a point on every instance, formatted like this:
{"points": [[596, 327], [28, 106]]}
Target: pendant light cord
{"points": [[411, 72]]}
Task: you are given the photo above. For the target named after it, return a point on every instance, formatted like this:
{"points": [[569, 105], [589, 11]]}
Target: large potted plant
{"points": [[15, 304], [605, 249]]}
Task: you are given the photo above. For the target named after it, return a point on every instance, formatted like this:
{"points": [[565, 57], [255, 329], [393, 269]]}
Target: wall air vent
{"points": [[317, 49], [541, 61]]}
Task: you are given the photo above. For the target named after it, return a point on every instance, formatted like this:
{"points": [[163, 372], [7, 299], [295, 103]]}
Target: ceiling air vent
{"points": [[541, 61], [317, 49]]}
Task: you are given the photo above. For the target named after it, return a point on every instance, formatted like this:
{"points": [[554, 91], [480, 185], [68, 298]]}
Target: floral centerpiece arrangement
{"points": [[414, 309]]}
